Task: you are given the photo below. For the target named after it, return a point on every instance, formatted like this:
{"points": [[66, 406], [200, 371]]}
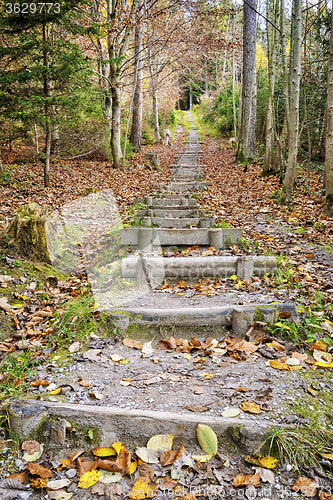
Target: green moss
{"points": [[259, 315]]}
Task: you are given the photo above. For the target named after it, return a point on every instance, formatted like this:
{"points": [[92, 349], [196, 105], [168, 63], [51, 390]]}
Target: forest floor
{"points": [[302, 238]]}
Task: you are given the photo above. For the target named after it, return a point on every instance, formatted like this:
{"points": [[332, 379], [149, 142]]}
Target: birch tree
{"points": [[328, 207], [295, 73]]}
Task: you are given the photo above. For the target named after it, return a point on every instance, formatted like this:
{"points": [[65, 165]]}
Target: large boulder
{"points": [[26, 234]]}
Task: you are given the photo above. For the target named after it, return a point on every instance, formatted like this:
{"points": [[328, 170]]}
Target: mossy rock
{"points": [[26, 234]]}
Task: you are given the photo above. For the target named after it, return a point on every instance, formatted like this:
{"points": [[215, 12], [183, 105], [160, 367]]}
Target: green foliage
{"points": [[77, 321]]}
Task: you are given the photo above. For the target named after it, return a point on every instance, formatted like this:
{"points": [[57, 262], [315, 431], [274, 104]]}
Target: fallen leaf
{"points": [[96, 395], [319, 345], [34, 456], [207, 439], [278, 366], [83, 467], [241, 389], [167, 344], [103, 452], [267, 462], [267, 476], [39, 470], [132, 468], [322, 357], [38, 483], [169, 457], [84, 383], [75, 347], [197, 389], [203, 458], [107, 477], [247, 479], [22, 476], [306, 486], [313, 391], [143, 489], [160, 442], [88, 479], [74, 456], [250, 407], [300, 356], [279, 347], [148, 456], [59, 495], [133, 344], [55, 392], [37, 383], [58, 484], [147, 349], [328, 456], [231, 413], [31, 447], [147, 471]]}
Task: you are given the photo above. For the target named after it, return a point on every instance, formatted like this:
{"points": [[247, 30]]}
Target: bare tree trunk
{"points": [[247, 138], [36, 138], [288, 183], [155, 117], [328, 207], [285, 128], [117, 155], [271, 44], [136, 131], [47, 109]]}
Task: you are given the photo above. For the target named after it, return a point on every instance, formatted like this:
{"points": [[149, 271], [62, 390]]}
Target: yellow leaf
{"points": [[117, 445], [206, 375], [313, 391], [278, 324], [89, 479], [250, 407], [160, 442], [187, 356], [295, 368], [203, 458], [132, 468], [328, 456], [207, 439], [267, 462], [143, 489], [279, 366], [324, 365], [233, 277], [55, 392], [125, 361], [103, 452]]}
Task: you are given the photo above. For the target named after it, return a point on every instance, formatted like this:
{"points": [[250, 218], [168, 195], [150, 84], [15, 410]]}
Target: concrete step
{"points": [[199, 267], [134, 427], [187, 186], [147, 237], [171, 213], [239, 318], [173, 204], [175, 222]]}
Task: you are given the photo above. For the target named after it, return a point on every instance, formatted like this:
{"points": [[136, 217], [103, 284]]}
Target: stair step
{"points": [[198, 267], [143, 237], [173, 213], [175, 222]]}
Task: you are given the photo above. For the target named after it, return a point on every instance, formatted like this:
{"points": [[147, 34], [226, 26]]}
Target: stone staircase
{"points": [[172, 218]]}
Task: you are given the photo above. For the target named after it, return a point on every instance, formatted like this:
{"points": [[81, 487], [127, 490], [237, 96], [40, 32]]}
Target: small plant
{"points": [[222, 224], [77, 319]]}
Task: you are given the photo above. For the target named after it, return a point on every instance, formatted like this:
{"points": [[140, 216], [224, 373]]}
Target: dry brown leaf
{"points": [[147, 471], [279, 347], [167, 344], [30, 447], [83, 467], [84, 383], [247, 479], [306, 486], [169, 457], [300, 356], [76, 455], [241, 389], [39, 470], [197, 389], [22, 476], [133, 344]]}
